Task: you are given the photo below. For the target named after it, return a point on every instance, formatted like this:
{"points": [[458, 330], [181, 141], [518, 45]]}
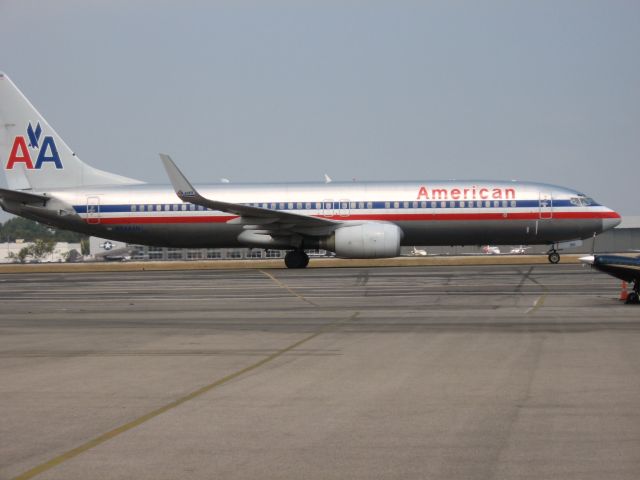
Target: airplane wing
{"points": [[23, 197], [268, 219]]}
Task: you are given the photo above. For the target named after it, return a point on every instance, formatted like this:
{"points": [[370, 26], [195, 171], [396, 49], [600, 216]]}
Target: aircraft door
{"points": [[546, 206], [93, 210], [327, 207], [343, 207]]}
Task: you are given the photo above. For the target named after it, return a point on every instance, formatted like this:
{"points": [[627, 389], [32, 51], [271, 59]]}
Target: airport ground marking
{"points": [[537, 304], [288, 289], [176, 403], [540, 300]]}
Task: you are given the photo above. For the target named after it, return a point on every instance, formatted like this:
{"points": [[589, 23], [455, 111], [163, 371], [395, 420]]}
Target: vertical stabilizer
{"points": [[32, 154]]}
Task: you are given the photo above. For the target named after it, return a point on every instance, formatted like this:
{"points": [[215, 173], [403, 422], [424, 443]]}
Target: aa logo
{"points": [[24, 153]]}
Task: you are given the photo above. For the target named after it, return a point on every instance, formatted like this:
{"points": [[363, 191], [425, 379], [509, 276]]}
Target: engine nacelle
{"points": [[368, 240]]}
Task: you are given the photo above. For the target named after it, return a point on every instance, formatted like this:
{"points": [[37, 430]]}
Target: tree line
{"points": [[43, 238]]}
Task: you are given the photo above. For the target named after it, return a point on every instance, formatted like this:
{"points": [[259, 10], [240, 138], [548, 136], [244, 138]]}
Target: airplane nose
{"points": [[589, 259], [612, 221]]}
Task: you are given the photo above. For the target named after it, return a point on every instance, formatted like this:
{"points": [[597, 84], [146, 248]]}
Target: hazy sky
{"points": [[268, 91]]}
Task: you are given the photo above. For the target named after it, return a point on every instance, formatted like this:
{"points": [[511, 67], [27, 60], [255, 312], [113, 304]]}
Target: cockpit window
{"points": [[582, 200]]}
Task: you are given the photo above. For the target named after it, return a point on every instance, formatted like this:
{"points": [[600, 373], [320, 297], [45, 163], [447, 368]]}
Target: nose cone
{"points": [[612, 221], [589, 259]]}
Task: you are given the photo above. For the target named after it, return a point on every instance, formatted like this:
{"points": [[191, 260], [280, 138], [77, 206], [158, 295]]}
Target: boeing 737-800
{"points": [[48, 183]]}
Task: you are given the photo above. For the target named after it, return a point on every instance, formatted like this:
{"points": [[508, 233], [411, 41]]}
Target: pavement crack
{"points": [[283, 285]]}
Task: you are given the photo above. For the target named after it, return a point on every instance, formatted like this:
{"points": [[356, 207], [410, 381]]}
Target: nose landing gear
{"points": [[296, 259], [554, 256]]}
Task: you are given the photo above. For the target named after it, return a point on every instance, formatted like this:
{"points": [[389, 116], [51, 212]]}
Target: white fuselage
{"points": [[428, 213]]}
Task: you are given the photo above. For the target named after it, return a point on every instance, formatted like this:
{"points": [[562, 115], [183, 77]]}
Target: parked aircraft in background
{"points": [[521, 250], [624, 268], [49, 183], [417, 252], [489, 250]]}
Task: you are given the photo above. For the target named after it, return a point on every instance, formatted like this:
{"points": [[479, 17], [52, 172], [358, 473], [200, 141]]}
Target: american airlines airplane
{"points": [[49, 183]]}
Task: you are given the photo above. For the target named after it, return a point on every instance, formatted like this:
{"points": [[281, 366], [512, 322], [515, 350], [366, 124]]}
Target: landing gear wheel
{"points": [[296, 259], [633, 298], [554, 257]]}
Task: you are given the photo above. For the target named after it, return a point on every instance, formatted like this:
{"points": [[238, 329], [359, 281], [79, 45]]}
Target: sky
{"points": [[258, 91]]}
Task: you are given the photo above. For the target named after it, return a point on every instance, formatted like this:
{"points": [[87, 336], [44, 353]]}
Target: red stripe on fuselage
{"points": [[390, 217]]}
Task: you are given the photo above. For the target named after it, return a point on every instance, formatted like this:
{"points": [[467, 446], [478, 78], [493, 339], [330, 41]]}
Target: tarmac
{"points": [[444, 372]]}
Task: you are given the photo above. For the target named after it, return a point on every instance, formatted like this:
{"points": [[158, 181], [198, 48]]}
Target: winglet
{"points": [[181, 185]]}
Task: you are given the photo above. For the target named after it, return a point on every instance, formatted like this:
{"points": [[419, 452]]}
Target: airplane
{"points": [[521, 250], [418, 252], [489, 250], [112, 252], [47, 182], [626, 269]]}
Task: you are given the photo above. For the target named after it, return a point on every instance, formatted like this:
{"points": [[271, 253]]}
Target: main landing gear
{"points": [[634, 296], [554, 256], [296, 259]]}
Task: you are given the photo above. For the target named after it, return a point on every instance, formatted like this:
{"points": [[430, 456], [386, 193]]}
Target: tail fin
{"points": [[33, 155]]}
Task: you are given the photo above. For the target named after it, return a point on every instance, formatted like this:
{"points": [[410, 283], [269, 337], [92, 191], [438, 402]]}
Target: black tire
{"points": [[633, 298], [554, 257], [291, 260], [296, 259]]}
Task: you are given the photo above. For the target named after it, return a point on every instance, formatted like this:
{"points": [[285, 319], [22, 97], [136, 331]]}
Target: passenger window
{"points": [[513, 204], [423, 204], [290, 205], [405, 205], [133, 208], [369, 204], [387, 205]]}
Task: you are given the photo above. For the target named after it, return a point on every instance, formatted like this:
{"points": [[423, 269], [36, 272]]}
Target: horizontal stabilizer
{"points": [[23, 197]]}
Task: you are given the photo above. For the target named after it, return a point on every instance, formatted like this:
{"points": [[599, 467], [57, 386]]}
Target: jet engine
{"points": [[368, 240]]}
